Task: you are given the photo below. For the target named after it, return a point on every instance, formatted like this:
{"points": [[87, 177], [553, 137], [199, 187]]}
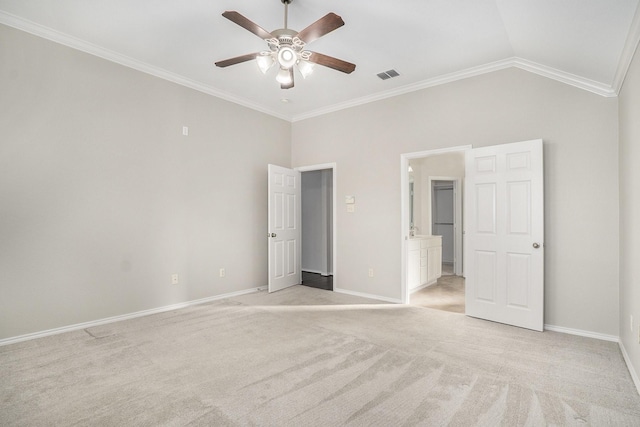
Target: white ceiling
{"points": [[586, 43]]}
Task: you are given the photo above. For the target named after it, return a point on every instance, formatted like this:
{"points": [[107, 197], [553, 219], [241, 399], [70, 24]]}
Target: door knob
{"points": [[273, 234], [536, 245]]}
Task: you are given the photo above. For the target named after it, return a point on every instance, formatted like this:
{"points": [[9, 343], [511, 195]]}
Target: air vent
{"points": [[388, 74]]}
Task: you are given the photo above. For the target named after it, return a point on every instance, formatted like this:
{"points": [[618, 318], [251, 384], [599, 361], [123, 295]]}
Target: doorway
{"points": [[431, 205], [504, 230], [317, 258]]}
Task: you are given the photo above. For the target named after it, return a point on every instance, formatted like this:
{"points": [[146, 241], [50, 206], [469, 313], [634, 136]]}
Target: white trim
{"points": [[564, 77], [630, 46], [436, 81], [627, 360], [91, 324], [334, 219], [404, 208], [581, 333], [424, 285], [603, 337], [533, 67], [552, 73], [109, 55], [370, 296]]}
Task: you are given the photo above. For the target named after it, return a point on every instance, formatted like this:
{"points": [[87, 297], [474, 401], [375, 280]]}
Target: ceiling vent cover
{"points": [[388, 74]]}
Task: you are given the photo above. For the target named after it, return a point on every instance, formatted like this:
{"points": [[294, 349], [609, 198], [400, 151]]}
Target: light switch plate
{"points": [[351, 208], [349, 200]]}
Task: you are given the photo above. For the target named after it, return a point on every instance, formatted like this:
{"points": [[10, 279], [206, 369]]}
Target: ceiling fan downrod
{"points": [[286, 12]]}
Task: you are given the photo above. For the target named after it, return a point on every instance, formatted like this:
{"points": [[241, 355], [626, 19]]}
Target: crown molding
{"points": [[630, 46], [571, 79], [564, 77], [92, 49], [436, 81], [533, 67]]}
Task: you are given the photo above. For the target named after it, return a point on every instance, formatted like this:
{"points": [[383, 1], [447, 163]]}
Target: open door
{"points": [[284, 228], [504, 220]]}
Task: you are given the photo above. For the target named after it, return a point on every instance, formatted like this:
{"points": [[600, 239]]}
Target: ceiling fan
{"points": [[286, 47]]}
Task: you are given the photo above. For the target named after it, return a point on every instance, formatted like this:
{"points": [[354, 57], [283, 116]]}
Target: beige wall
{"points": [[580, 136], [630, 215], [102, 198]]}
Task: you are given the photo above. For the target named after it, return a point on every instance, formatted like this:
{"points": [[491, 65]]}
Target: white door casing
{"points": [[284, 228], [504, 220]]}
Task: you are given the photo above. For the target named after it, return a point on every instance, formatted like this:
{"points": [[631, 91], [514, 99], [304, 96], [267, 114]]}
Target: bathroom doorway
{"points": [[432, 206]]}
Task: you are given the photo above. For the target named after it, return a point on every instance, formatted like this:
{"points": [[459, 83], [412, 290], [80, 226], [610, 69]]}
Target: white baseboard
{"points": [[632, 371], [84, 325], [582, 333], [425, 285], [362, 294]]}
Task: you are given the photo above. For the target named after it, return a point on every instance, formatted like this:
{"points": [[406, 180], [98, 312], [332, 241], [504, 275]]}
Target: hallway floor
{"points": [[447, 295], [317, 281]]}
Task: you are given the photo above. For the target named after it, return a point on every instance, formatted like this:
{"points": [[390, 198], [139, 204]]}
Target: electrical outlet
{"points": [[174, 279], [222, 272], [371, 272]]}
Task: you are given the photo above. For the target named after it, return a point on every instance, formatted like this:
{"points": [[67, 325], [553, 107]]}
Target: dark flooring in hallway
{"points": [[319, 281]]}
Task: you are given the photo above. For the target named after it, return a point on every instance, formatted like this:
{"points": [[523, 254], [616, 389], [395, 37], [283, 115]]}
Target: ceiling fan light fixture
{"points": [[287, 57], [305, 68], [286, 47], [283, 77], [265, 62]]}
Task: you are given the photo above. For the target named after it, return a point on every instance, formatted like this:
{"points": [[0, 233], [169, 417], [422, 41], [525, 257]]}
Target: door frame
{"points": [[457, 217], [334, 214], [404, 208]]}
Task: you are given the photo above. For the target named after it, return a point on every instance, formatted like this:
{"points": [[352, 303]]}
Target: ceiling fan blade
{"points": [[290, 85], [331, 62], [237, 60], [322, 26], [247, 24]]}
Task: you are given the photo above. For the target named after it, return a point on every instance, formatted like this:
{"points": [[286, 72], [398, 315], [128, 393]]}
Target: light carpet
{"points": [[307, 357]]}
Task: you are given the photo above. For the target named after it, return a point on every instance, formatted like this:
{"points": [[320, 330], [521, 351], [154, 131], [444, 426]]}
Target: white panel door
{"points": [[504, 220], [284, 228]]}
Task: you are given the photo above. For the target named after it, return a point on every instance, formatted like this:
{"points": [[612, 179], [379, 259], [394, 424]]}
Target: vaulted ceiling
{"points": [[585, 43]]}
